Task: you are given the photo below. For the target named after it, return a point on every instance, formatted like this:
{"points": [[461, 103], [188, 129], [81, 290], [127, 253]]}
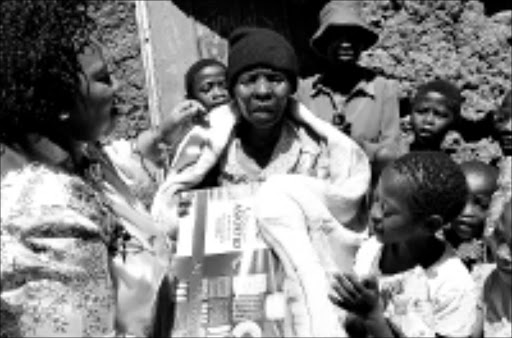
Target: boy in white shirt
{"points": [[409, 281]]}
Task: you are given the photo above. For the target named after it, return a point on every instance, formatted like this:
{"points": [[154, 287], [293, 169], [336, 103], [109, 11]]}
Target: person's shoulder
{"points": [[307, 86], [380, 79], [310, 79], [481, 273], [36, 189], [449, 273], [386, 83]]}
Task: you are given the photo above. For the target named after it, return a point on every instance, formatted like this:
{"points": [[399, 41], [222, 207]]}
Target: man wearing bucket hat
{"points": [[352, 97]]}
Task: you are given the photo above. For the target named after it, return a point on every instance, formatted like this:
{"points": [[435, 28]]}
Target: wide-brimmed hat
{"points": [[337, 15]]}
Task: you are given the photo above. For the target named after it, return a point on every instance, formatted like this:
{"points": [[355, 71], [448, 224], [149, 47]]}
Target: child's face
{"points": [[470, 223], [501, 241], [431, 118], [503, 126], [210, 86], [391, 218]]}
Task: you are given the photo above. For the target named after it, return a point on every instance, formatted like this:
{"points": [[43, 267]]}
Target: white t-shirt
{"points": [[424, 302]]}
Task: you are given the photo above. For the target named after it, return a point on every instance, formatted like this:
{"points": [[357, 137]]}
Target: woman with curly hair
{"points": [[79, 255]]}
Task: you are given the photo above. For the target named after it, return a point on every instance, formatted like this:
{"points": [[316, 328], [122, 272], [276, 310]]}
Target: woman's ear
{"points": [[433, 223]]}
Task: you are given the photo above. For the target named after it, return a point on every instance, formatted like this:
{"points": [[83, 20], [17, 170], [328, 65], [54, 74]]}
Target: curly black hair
{"points": [[39, 44], [437, 185]]}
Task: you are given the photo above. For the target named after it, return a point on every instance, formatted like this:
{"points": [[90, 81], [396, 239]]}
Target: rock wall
{"points": [[117, 30]]}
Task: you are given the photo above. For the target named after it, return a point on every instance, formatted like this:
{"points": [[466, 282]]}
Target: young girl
{"points": [[497, 288], [466, 232], [410, 282]]}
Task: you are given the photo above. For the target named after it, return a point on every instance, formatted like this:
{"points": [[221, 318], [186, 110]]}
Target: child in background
{"points": [[503, 134], [409, 281], [435, 110], [205, 81], [205, 89], [466, 232], [497, 296], [143, 161]]}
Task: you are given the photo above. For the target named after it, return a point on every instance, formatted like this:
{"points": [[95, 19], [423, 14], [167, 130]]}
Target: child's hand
{"points": [[359, 297]]}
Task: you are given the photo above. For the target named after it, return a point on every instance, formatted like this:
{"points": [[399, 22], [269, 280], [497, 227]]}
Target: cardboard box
{"points": [[228, 282]]}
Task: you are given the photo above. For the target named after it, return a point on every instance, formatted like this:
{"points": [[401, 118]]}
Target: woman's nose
{"points": [[263, 87], [375, 212]]}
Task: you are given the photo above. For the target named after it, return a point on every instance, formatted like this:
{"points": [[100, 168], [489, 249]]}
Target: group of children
{"points": [[419, 274]]}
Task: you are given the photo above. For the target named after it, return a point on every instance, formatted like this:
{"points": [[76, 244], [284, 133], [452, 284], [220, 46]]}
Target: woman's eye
{"points": [[247, 81], [276, 78]]}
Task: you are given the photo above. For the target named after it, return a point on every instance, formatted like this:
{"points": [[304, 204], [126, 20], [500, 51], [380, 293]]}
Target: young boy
{"points": [[435, 111], [205, 81], [466, 232], [497, 288], [205, 89], [410, 282]]}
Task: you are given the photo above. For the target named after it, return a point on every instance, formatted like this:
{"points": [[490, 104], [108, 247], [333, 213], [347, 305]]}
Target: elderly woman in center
{"points": [[315, 176]]}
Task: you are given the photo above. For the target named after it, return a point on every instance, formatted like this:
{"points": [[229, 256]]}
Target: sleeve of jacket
{"points": [[390, 119], [55, 272]]}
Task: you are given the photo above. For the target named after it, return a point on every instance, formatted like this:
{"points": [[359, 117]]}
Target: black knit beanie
{"points": [[250, 47], [449, 90]]}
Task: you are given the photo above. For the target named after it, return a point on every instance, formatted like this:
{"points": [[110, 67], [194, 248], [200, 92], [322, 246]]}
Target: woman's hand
{"points": [[186, 110], [359, 297]]}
